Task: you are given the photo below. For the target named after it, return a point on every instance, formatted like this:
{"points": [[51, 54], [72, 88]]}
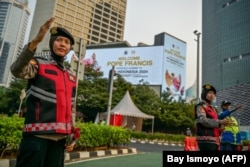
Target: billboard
{"points": [[174, 66], [163, 65], [134, 64]]}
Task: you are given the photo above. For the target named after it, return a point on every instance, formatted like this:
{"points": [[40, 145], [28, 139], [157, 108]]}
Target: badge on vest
{"points": [[203, 110], [33, 62]]}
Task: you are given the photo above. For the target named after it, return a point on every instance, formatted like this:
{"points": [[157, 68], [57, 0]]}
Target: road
{"points": [[136, 160], [148, 155]]}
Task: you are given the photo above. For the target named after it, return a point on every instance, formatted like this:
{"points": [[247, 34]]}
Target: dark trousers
{"points": [[38, 152], [205, 146], [228, 147]]}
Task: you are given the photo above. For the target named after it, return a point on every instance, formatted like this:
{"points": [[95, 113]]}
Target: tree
{"points": [[3, 99], [92, 98], [174, 116], [10, 98], [93, 95]]}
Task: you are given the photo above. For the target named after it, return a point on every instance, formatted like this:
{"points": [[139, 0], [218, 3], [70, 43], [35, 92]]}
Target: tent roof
{"points": [[128, 108]]}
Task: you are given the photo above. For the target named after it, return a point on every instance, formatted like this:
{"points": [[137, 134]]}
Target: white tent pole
{"points": [[97, 118], [153, 126]]}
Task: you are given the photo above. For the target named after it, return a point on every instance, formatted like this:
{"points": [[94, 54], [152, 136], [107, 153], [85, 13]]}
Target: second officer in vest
{"points": [[207, 122]]}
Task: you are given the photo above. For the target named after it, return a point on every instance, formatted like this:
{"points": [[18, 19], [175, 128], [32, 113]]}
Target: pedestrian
{"points": [[50, 97], [188, 132], [133, 128], [207, 122], [103, 122], [230, 137]]}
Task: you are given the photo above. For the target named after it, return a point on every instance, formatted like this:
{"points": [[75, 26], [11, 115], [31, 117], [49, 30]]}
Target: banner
{"points": [[174, 67], [134, 64]]}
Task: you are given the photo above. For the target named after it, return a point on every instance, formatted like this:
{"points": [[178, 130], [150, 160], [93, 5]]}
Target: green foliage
{"points": [[145, 99], [94, 135], [92, 98], [10, 132], [157, 137], [139, 135], [174, 117], [170, 116], [119, 136], [3, 99], [93, 95], [10, 97]]}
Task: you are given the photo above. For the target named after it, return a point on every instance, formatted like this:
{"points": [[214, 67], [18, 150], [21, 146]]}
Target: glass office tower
{"points": [[225, 42], [95, 21], [14, 16]]}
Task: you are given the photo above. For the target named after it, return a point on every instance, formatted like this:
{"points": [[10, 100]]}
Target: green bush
{"points": [[139, 135], [157, 136], [95, 135], [92, 135], [10, 132]]}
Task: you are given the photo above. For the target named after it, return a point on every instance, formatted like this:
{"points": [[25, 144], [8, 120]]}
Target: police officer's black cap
{"points": [[60, 31], [225, 102], [208, 87]]}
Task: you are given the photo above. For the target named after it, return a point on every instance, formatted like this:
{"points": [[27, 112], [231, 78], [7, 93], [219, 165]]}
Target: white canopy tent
{"points": [[130, 113]]}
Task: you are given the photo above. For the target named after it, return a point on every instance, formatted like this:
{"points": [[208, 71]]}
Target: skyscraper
{"points": [[14, 16], [225, 42], [95, 21]]}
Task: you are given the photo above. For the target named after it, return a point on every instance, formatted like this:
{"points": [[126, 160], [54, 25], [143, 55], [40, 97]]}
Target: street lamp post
{"points": [[198, 65], [111, 75]]}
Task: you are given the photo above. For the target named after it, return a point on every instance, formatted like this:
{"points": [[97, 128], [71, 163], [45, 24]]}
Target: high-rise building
{"points": [[95, 21], [14, 16], [225, 42]]}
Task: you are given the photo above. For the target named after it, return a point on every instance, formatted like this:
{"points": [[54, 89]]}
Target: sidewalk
{"points": [[74, 156]]}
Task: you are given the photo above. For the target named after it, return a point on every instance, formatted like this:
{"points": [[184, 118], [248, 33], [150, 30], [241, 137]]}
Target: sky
{"points": [[147, 18]]}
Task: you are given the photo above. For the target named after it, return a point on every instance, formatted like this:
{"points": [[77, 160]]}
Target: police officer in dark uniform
{"points": [[51, 88], [207, 122]]}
